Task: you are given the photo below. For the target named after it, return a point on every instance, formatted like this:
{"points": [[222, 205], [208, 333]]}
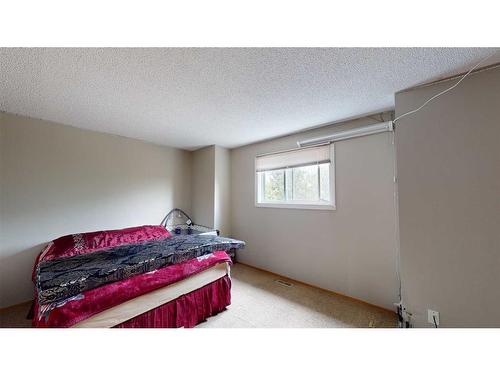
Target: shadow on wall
{"points": [[14, 284]]}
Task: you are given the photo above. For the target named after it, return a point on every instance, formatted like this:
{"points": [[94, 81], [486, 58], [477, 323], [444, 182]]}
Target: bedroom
{"points": [[229, 187]]}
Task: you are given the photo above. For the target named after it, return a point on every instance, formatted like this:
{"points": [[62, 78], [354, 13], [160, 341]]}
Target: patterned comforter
{"points": [[86, 304], [62, 278]]}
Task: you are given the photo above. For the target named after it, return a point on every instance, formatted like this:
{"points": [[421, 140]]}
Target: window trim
{"points": [[296, 205]]}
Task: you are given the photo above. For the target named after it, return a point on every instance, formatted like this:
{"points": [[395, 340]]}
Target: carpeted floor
{"points": [[258, 301]]}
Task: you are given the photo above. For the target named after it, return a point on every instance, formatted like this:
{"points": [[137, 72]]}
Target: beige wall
{"points": [[203, 188], [351, 250], [56, 180], [449, 202], [222, 203], [212, 188]]}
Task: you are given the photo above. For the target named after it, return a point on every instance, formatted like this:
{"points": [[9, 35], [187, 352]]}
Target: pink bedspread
{"points": [[187, 310], [99, 299], [82, 243]]}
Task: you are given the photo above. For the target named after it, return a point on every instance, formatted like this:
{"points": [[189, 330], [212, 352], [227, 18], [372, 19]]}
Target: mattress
{"points": [[143, 303]]}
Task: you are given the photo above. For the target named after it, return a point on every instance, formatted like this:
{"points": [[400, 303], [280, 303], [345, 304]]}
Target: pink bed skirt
{"points": [[187, 310]]}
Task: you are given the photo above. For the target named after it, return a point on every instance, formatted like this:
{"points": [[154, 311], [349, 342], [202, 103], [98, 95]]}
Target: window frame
{"points": [[306, 205]]}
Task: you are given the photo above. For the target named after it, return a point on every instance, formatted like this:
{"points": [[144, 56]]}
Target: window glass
{"points": [[305, 183], [274, 188], [324, 182], [285, 179]]}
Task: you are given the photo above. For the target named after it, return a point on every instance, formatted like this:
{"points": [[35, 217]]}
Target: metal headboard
{"points": [[184, 222]]}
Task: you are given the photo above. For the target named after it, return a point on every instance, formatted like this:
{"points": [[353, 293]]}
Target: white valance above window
{"points": [[293, 158]]}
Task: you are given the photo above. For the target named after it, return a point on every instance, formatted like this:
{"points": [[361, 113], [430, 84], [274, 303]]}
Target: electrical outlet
{"points": [[433, 316]]}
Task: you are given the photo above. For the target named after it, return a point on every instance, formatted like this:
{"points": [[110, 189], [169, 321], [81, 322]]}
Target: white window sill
{"points": [[300, 206]]}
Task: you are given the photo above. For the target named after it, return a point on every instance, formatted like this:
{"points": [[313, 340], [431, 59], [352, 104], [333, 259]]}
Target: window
{"points": [[302, 178]]}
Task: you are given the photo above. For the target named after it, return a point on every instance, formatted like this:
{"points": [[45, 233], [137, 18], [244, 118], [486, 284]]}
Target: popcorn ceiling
{"points": [[194, 97]]}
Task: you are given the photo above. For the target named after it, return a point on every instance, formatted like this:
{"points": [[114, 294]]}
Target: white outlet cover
{"points": [[430, 316]]}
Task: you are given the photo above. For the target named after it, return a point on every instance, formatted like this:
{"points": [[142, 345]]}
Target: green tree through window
{"points": [[309, 183], [274, 188]]}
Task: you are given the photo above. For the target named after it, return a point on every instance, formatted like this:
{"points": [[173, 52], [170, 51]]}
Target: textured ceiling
{"points": [[193, 97]]}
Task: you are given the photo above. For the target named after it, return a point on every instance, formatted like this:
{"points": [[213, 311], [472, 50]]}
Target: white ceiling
{"points": [[193, 97]]}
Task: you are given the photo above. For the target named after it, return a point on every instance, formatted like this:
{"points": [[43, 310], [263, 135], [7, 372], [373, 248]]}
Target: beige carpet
{"points": [[258, 301]]}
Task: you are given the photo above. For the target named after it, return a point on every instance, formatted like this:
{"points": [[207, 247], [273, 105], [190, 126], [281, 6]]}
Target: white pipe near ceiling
{"points": [[348, 134]]}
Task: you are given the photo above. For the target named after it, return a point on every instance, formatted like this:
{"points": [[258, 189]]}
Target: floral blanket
{"points": [[62, 278], [77, 308]]}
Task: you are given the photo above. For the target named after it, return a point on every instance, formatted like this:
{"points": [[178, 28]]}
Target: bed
{"points": [[143, 277]]}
